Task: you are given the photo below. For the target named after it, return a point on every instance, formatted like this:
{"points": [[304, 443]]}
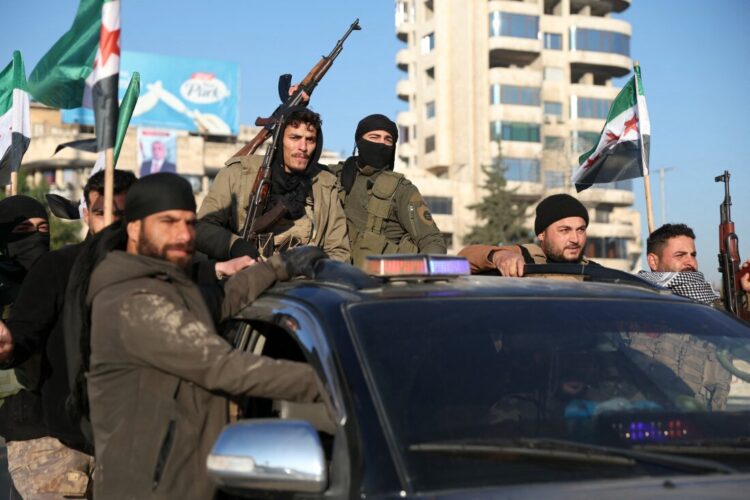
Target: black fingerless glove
{"points": [[300, 261]]}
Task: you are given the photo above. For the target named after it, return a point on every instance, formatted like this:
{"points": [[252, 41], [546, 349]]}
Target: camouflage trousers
{"points": [[45, 469]]}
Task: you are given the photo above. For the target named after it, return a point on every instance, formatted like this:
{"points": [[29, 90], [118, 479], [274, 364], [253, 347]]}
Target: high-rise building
{"points": [[522, 84]]}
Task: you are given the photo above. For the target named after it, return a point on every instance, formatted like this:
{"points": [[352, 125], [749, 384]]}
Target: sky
{"points": [[694, 55]]}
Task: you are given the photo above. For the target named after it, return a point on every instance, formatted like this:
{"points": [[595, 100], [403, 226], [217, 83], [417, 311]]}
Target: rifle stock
{"points": [[729, 256]]}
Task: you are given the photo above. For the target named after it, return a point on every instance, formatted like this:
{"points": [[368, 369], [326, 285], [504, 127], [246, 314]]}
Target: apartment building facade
{"points": [[521, 84]]}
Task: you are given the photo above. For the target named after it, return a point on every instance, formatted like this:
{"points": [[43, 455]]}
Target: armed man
{"points": [[303, 208], [560, 225], [159, 372], [385, 213], [671, 256]]}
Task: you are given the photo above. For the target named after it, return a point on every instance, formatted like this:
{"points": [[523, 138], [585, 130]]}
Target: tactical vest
{"points": [[371, 239]]}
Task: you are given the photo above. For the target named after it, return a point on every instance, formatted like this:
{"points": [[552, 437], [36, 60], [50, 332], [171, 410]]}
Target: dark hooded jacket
{"points": [[222, 213], [158, 372]]}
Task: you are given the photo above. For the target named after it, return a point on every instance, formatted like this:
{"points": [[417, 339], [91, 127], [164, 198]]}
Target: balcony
{"points": [[617, 197], [508, 51], [405, 89], [403, 29], [406, 118], [404, 57]]}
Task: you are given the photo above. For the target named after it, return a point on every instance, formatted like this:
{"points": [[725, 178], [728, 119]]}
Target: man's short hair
{"points": [[123, 180], [658, 239], [303, 115]]}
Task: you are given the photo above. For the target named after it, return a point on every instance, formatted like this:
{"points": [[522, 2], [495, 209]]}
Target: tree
{"points": [[501, 215], [61, 232]]}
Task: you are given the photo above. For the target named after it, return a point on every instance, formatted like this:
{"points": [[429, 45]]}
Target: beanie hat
{"points": [[556, 207], [157, 193], [376, 122]]}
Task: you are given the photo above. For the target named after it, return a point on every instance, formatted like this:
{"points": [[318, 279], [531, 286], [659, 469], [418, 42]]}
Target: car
{"points": [[440, 384]]}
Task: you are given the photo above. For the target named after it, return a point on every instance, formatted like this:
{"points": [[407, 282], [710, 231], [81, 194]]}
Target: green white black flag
{"points": [[14, 118], [622, 149]]}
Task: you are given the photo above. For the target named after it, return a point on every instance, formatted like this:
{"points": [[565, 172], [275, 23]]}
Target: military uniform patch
{"points": [[424, 214]]}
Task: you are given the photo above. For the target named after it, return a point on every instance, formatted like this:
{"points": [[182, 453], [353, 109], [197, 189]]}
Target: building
{"points": [[525, 84], [198, 157]]}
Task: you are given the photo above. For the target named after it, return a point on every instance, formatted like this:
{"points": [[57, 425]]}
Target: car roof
{"points": [[352, 285]]}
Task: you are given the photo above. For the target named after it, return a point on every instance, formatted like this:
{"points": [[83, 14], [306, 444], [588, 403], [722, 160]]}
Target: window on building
{"points": [[603, 213], [599, 41], [553, 74], [427, 44], [521, 169], [589, 107], [515, 25], [430, 75], [429, 144], [553, 41], [583, 141], [554, 142], [403, 134], [429, 110], [441, 205], [552, 108], [606, 248], [196, 182], [514, 131], [402, 12], [554, 179], [511, 94]]}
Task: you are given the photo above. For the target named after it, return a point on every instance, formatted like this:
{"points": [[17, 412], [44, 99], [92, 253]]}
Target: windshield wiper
{"points": [[730, 448], [569, 451]]}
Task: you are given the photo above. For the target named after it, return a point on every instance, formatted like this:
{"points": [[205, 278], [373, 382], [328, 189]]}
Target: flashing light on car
{"points": [[426, 266]]}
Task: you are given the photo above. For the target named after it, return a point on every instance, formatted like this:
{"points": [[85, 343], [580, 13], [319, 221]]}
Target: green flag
{"points": [[14, 117]]}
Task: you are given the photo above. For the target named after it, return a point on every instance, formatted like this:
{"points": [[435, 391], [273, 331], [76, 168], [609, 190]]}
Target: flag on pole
{"points": [[82, 68], [622, 150], [14, 118]]}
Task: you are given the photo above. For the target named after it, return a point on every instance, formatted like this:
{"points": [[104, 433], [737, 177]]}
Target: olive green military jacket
{"points": [[223, 211], [159, 375], [405, 226], [479, 255]]}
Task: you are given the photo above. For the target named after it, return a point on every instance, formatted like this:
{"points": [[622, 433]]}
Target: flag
{"points": [[622, 149], [81, 69], [14, 118]]}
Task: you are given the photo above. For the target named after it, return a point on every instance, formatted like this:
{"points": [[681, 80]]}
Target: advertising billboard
{"points": [[197, 95]]}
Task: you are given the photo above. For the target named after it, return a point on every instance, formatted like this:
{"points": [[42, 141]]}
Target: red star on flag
{"points": [[109, 43], [631, 124], [612, 137]]}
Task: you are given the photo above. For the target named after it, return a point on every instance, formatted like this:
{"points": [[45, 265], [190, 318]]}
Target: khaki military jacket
{"points": [[224, 209], [408, 217], [159, 372]]}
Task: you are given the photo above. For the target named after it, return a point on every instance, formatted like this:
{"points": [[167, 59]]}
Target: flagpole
{"points": [[644, 160], [13, 183], [109, 184]]}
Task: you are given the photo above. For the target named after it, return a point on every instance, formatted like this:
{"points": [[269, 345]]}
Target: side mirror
{"points": [[279, 455]]}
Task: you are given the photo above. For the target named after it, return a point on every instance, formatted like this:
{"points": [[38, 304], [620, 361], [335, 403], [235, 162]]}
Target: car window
{"points": [[621, 373]]}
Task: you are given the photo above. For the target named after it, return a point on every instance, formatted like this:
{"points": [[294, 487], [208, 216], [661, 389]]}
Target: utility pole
{"points": [[662, 195]]}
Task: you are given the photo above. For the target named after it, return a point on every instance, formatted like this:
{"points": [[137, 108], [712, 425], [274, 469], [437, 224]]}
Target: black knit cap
{"points": [[376, 122], [157, 193], [16, 209], [556, 207]]}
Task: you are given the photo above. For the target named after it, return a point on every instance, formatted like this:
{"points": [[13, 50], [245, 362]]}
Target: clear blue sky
{"points": [[694, 57]]}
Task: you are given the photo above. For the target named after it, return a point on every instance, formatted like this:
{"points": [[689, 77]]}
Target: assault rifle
{"points": [[729, 256], [256, 220]]}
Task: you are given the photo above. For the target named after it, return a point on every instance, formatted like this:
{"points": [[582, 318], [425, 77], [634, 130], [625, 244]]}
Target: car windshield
{"points": [[499, 391]]}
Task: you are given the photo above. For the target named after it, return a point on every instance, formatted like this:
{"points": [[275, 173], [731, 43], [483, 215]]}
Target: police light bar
{"points": [[426, 266]]}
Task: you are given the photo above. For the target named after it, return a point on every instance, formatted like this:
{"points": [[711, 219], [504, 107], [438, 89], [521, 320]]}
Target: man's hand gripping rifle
{"points": [[729, 256]]}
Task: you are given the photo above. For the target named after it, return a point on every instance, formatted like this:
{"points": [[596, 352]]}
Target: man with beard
{"points": [[671, 256], [301, 190], [560, 226], [385, 213], [159, 373]]}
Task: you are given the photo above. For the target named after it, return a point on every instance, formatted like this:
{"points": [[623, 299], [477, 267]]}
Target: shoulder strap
{"points": [[379, 204]]}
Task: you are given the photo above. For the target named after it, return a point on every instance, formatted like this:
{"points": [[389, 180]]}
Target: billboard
{"points": [[197, 95]]}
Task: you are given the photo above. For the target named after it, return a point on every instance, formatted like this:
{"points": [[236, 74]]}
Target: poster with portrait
{"points": [[157, 151]]}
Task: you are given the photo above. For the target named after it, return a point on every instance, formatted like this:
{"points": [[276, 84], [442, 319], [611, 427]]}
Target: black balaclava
{"points": [[292, 190], [370, 154], [24, 248], [156, 193]]}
